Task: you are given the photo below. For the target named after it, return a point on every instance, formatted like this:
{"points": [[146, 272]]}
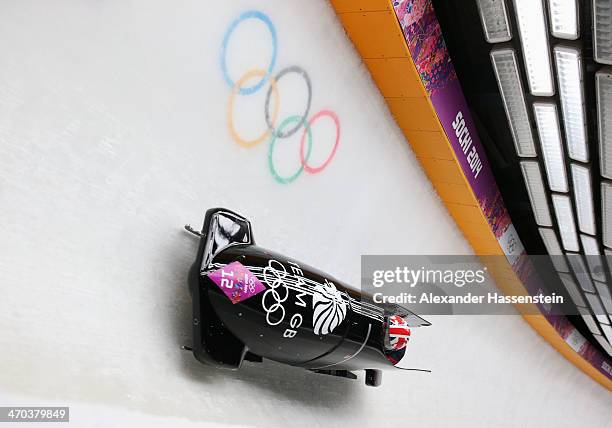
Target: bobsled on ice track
{"points": [[250, 303]]}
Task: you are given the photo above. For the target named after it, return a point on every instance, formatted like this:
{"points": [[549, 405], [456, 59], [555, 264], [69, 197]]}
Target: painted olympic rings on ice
{"points": [[290, 125], [304, 160], [230, 108], [250, 14], [298, 70], [277, 177]]}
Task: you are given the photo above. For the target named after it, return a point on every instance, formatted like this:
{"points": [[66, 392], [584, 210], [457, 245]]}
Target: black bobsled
{"points": [[250, 303]]}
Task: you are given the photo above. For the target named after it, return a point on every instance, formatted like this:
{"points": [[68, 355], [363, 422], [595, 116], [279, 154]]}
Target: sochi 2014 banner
{"points": [[428, 50]]}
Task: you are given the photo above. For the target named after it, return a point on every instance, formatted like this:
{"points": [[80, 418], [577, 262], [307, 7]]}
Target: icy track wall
{"points": [[120, 122]]}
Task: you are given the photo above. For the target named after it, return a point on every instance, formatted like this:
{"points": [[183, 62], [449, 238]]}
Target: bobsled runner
{"points": [[250, 303]]}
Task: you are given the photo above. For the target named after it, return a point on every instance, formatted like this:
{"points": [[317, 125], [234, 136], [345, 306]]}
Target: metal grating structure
{"points": [[549, 58]]}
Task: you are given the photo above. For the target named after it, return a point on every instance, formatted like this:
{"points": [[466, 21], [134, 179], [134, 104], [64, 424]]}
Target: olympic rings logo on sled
{"points": [[275, 309], [288, 126]]}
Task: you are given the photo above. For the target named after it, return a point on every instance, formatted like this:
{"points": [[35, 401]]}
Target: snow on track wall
{"points": [[119, 124]]}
